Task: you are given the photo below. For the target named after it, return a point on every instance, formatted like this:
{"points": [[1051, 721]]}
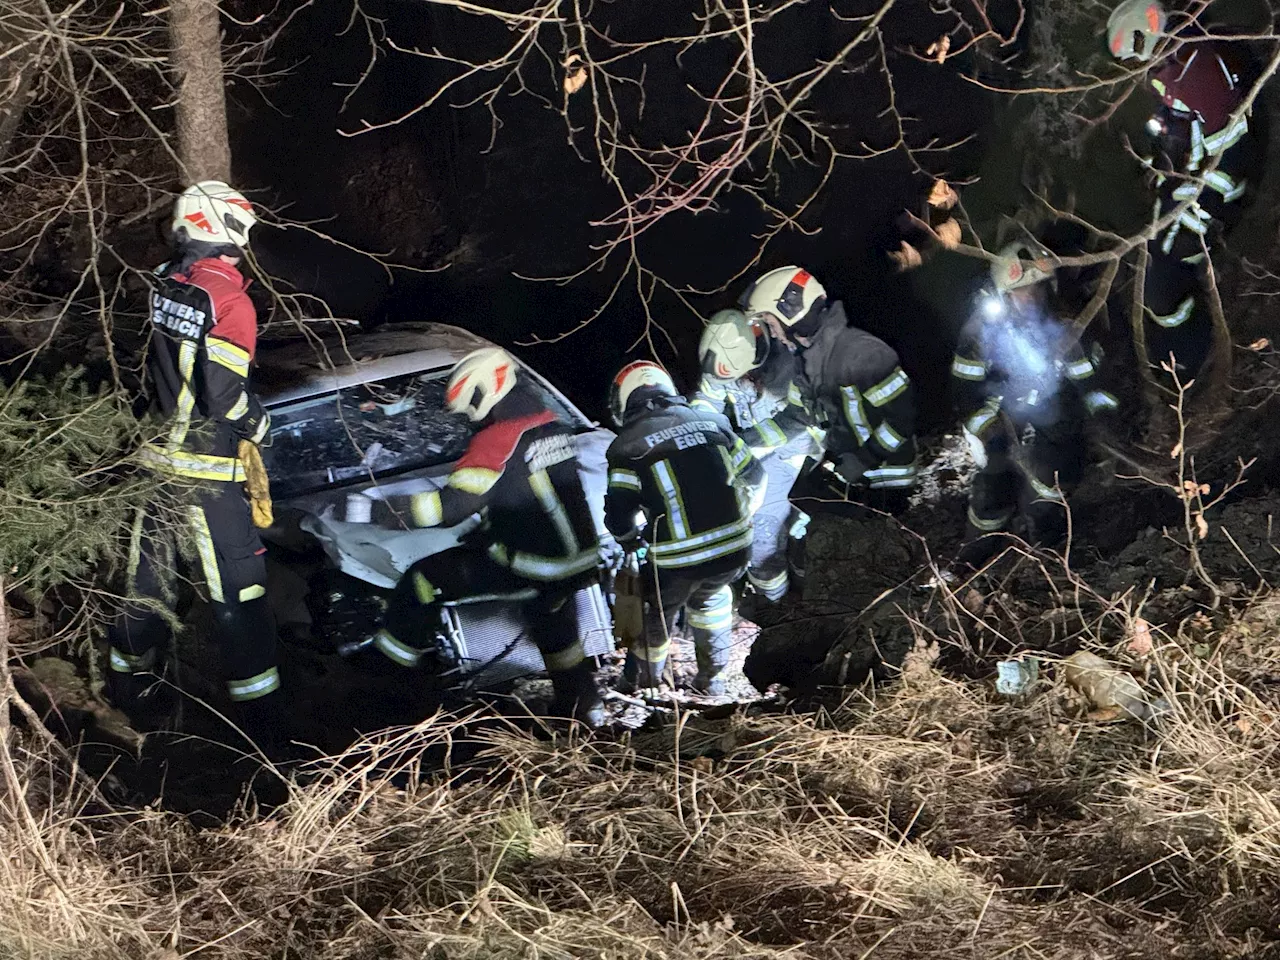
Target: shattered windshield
{"points": [[361, 432]]}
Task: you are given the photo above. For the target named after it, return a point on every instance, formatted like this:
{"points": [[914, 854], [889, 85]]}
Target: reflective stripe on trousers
{"points": [[254, 687], [396, 651], [122, 661]]}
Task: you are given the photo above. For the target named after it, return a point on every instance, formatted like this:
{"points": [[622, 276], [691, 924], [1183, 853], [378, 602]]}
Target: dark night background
{"points": [[426, 191]]}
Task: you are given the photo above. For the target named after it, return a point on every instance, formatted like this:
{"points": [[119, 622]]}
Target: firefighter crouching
{"points": [[757, 385], [1017, 370], [682, 487], [1200, 85], [203, 338], [864, 398], [520, 473]]}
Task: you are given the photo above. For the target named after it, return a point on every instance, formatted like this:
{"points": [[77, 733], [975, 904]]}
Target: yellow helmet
{"points": [[1021, 264], [732, 345]]}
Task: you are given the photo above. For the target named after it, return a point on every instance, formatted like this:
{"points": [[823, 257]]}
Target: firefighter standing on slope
{"points": [[520, 472], [756, 383], [1015, 367], [204, 329], [853, 380], [679, 478], [1200, 85]]}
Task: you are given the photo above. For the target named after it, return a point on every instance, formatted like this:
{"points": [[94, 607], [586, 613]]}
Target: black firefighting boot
{"points": [[263, 720], [577, 696], [979, 551], [640, 673], [711, 680], [144, 697]]}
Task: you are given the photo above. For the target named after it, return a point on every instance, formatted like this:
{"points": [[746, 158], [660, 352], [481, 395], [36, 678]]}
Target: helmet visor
{"points": [[770, 323], [757, 328]]}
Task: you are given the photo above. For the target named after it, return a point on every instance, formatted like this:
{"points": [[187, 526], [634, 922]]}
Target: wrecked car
{"points": [[364, 411]]}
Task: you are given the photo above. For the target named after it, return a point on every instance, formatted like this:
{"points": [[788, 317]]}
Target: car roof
{"points": [[311, 366]]}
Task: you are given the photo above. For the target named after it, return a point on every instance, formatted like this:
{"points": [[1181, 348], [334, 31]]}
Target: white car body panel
{"points": [[376, 554]]}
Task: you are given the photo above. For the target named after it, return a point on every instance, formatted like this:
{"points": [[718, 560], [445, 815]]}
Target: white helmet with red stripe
{"points": [[640, 375], [214, 213], [1021, 264], [732, 345], [479, 380], [786, 294], [1134, 28]]}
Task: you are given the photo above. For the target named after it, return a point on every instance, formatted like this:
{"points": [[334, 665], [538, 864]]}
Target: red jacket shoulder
{"points": [[493, 446], [236, 320]]}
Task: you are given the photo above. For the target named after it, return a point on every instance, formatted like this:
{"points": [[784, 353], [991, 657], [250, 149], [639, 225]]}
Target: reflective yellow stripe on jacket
{"points": [[704, 547], [197, 466], [546, 569]]}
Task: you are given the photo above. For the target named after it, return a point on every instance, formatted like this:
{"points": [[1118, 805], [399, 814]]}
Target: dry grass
{"points": [[931, 821]]}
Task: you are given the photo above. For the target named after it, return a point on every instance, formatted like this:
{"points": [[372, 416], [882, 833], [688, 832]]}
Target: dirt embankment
{"points": [[866, 596]]}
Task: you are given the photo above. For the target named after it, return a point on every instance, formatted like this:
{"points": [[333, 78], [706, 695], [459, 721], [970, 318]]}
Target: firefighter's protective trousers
{"points": [[468, 572], [1200, 89], [1028, 477], [708, 602], [221, 542], [781, 430], [769, 572]]}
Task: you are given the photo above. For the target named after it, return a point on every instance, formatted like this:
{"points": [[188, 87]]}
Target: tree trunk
{"points": [[204, 149], [17, 72]]}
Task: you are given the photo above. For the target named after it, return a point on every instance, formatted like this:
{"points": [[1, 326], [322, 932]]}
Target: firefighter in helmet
{"points": [[204, 331], [682, 488], [1024, 388], [758, 384], [520, 473], [1198, 123], [853, 382]]}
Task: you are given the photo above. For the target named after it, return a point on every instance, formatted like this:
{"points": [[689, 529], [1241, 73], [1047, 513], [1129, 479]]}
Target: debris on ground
{"points": [[1016, 677], [1112, 693], [61, 697]]}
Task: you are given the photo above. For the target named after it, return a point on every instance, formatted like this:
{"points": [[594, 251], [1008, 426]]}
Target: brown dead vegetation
{"points": [[928, 818]]}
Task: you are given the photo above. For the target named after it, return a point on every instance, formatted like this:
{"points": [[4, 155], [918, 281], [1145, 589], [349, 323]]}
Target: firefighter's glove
{"points": [[256, 485], [977, 449], [611, 554], [634, 545], [851, 468]]}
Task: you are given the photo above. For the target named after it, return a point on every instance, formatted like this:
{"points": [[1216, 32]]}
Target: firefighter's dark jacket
{"points": [[1027, 367], [785, 423], [694, 481], [520, 472], [866, 397], [203, 338], [1203, 83]]}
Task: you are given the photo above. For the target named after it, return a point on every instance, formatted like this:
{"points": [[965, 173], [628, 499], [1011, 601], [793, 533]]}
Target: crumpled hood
{"points": [[381, 555]]}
